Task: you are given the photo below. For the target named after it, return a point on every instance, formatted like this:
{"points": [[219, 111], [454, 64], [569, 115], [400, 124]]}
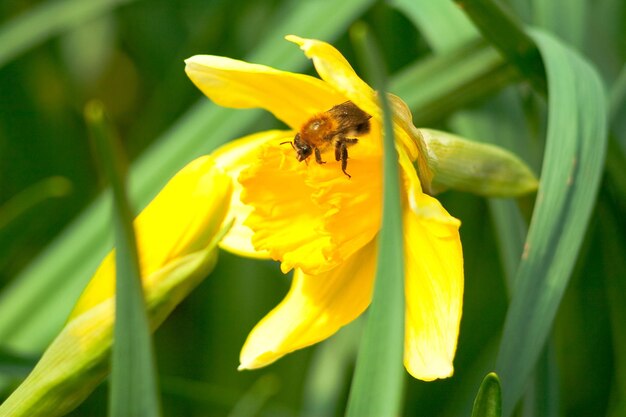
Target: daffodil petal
{"points": [[180, 220], [291, 97], [333, 68], [433, 288], [314, 309], [234, 157], [406, 133]]}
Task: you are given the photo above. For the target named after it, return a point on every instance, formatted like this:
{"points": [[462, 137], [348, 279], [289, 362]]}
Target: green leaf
{"points": [[52, 187], [259, 393], [501, 29], [435, 86], [574, 156], [46, 20], [330, 366], [12, 364], [488, 402], [377, 385], [35, 305], [613, 258], [501, 121], [566, 23], [133, 389], [78, 358], [431, 16]]}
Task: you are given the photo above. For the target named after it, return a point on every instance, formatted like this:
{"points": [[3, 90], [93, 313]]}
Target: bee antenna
{"points": [[289, 142]]}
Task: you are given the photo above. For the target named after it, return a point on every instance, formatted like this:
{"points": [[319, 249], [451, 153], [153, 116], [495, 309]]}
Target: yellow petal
{"points": [[336, 71], [291, 97], [233, 158], [333, 68], [315, 308], [433, 287], [411, 139], [183, 218]]}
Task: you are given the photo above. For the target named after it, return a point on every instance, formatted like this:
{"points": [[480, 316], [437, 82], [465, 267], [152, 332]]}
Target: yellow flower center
{"points": [[309, 215]]}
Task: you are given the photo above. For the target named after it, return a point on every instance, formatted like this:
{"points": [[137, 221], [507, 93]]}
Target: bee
{"points": [[335, 127]]}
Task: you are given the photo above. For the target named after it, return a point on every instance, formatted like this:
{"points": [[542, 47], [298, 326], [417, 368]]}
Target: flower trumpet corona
{"points": [[324, 224]]}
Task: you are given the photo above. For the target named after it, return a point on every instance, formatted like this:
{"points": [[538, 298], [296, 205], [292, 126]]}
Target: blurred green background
{"points": [[129, 54]]}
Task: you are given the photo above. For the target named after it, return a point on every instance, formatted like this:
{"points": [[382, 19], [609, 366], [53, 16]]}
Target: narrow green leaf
{"points": [[488, 402], [52, 187], [78, 358], [377, 385], [501, 29], [501, 121], [542, 396], [46, 20], [259, 393], [567, 23], [570, 177], [34, 306], [431, 16], [617, 96], [438, 85], [12, 364], [575, 148], [133, 389], [330, 367]]}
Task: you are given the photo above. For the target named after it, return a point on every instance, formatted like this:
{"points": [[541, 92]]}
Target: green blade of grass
{"points": [[46, 20], [377, 385], [34, 306], [575, 148], [133, 388], [488, 402]]}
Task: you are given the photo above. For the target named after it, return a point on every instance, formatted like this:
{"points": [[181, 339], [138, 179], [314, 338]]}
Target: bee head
{"points": [[303, 149]]}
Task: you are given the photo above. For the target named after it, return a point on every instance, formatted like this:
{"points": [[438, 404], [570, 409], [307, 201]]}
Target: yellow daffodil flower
{"points": [[315, 220]]}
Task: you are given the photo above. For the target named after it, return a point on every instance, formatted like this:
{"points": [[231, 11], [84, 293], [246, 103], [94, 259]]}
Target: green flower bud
{"points": [[464, 165]]}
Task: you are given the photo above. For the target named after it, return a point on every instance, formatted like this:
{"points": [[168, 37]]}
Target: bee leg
{"points": [[343, 143], [343, 149], [318, 157]]}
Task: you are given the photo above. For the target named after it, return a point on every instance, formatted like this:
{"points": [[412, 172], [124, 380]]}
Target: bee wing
{"points": [[350, 118]]}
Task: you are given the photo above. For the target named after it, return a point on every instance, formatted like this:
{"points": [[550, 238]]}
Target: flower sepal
{"points": [[465, 165]]}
